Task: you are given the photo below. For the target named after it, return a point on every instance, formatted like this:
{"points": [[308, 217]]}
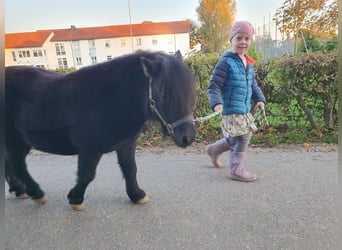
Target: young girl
{"points": [[232, 86]]}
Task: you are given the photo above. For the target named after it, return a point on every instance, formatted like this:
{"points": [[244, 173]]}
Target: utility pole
{"points": [[130, 23]]}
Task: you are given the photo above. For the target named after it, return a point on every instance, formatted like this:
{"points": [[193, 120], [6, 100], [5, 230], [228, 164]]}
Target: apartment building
{"points": [[78, 47]]}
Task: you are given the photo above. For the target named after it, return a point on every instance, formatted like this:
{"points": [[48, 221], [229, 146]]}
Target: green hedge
{"points": [[301, 93], [301, 90]]}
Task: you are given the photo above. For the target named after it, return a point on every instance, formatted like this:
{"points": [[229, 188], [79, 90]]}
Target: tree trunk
{"points": [[328, 113], [307, 111]]}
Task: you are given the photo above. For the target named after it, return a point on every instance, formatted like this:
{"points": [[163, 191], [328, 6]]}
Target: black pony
{"points": [[92, 111]]}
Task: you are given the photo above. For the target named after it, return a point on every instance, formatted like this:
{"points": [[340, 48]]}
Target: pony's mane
{"points": [[173, 91]]}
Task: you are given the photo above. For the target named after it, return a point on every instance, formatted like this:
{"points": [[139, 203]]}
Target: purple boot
{"points": [[237, 168], [216, 149]]}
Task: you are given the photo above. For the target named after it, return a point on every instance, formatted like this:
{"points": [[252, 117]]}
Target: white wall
{"points": [[168, 43], [31, 60]]}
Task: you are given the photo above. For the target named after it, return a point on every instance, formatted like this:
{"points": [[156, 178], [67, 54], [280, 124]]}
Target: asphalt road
{"points": [[193, 205]]}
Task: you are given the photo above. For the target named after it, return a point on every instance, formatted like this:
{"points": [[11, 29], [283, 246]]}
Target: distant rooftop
{"points": [[146, 28], [27, 39]]}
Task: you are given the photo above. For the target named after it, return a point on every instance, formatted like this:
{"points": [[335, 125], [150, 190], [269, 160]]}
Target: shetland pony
{"points": [[93, 111]]}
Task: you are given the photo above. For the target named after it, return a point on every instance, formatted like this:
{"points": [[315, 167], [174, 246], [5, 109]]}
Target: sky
{"points": [[32, 15]]}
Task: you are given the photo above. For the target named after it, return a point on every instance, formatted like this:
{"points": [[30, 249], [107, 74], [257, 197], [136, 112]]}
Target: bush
{"points": [[301, 90]]}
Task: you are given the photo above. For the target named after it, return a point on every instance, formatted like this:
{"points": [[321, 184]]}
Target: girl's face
{"points": [[240, 43]]}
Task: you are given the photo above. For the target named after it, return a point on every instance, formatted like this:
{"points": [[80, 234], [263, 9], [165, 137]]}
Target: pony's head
{"points": [[172, 95]]}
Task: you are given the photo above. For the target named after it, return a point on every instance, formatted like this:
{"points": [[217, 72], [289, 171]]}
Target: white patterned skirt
{"points": [[237, 124]]}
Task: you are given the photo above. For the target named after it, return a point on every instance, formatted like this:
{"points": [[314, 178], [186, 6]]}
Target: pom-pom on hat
{"points": [[241, 27]]}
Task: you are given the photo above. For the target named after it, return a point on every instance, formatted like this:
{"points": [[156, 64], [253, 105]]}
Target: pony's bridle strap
{"points": [[170, 127]]}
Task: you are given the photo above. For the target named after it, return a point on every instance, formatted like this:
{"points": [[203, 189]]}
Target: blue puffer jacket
{"points": [[234, 86]]}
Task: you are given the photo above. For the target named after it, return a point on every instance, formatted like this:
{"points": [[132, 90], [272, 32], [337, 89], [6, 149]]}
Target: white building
{"points": [[78, 47]]}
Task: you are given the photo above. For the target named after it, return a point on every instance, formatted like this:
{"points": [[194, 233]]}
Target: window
{"points": [[91, 44], [60, 50], [13, 56], [62, 63], [107, 43], [24, 53], [154, 41], [109, 58], [78, 60], [76, 45], [170, 40], [123, 43], [139, 42], [37, 53]]}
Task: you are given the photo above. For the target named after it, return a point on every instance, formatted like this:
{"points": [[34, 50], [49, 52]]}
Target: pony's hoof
{"points": [[144, 200], [23, 196], [78, 207], [40, 200]]}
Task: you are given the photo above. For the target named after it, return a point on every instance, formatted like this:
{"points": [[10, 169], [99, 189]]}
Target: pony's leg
{"points": [[14, 184], [16, 152], [87, 163], [126, 159]]}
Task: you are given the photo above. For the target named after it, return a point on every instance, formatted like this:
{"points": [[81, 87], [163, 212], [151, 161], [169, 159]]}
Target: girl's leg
{"points": [[216, 149], [242, 142], [237, 160]]}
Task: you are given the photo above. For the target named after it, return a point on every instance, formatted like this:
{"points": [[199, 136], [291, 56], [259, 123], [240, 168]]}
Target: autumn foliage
{"points": [[317, 17], [216, 18]]}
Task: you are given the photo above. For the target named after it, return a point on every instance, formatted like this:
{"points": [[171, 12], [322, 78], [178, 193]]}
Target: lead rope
{"points": [[205, 118]]}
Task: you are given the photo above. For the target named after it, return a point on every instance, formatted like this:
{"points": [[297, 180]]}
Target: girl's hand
{"points": [[259, 104], [218, 108]]}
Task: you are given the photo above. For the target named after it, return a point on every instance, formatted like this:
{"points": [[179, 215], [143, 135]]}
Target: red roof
{"points": [[27, 39], [37, 39], [143, 29]]}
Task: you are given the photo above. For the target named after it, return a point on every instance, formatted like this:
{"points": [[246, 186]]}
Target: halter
{"points": [[170, 127]]}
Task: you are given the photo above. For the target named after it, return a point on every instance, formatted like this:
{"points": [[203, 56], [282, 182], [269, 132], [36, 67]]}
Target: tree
{"points": [[216, 18], [195, 37], [309, 44], [317, 17], [330, 45]]}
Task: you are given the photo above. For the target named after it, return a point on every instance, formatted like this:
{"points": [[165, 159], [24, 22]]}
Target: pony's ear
{"points": [[178, 55], [151, 67]]}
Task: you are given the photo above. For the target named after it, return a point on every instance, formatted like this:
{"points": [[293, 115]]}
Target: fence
{"points": [[270, 42]]}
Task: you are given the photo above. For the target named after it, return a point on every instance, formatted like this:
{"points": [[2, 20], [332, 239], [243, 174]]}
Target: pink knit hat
{"points": [[241, 27]]}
